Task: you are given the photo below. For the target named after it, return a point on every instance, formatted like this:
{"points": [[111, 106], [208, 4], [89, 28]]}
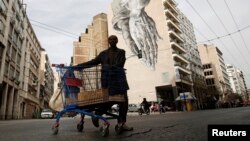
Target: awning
{"points": [[185, 96]]}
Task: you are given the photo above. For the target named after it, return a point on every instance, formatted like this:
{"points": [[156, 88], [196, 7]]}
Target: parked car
{"points": [[47, 113], [133, 107]]}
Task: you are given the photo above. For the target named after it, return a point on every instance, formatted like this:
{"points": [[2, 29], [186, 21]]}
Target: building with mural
{"points": [[157, 64]]}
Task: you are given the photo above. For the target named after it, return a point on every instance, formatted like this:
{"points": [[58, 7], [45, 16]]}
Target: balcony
{"points": [[183, 69], [170, 15], [179, 57], [172, 25], [184, 79], [170, 5], [174, 35], [176, 46], [182, 65], [171, 2]]}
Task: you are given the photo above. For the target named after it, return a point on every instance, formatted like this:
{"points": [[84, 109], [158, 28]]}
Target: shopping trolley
{"points": [[82, 93]]}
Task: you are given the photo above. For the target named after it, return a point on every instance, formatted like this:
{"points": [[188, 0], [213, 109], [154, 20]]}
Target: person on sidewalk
{"points": [[112, 60]]}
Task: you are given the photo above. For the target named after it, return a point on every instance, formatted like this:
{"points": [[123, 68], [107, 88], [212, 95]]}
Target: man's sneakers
{"points": [[127, 128]]}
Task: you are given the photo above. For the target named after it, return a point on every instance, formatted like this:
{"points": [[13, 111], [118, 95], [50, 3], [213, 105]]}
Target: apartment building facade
{"points": [[215, 71], [195, 65], [157, 65], [47, 80], [237, 81], [20, 63]]}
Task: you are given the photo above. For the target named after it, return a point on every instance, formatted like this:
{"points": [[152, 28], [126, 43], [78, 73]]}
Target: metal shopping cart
{"points": [[83, 94]]}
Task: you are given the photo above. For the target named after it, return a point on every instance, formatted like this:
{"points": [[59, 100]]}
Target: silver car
{"points": [[133, 107], [47, 113]]}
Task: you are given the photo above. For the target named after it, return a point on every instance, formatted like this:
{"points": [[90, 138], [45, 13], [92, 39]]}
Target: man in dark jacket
{"points": [[113, 76], [145, 105]]}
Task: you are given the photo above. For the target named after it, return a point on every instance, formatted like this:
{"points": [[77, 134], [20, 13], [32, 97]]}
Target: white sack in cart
{"points": [[56, 101]]}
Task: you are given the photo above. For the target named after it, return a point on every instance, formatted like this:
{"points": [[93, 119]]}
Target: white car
{"points": [[47, 113], [133, 107]]}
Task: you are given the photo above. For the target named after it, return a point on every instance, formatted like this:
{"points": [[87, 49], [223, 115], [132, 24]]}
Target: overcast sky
{"points": [[71, 17]]}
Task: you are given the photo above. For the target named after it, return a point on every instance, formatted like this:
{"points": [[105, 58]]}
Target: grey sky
{"points": [[74, 16], [235, 51]]}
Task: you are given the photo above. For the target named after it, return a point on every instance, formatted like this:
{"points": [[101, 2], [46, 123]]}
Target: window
{"points": [[210, 81]]}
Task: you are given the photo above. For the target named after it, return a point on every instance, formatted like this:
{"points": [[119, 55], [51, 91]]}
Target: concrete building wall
{"points": [[46, 80], [210, 54], [143, 79], [93, 41], [20, 63], [237, 81], [190, 44], [231, 70]]}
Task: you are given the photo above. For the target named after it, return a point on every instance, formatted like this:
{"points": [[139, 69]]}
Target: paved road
{"points": [[172, 126]]}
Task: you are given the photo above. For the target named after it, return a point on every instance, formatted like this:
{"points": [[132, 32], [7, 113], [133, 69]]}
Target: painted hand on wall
{"points": [[137, 28]]}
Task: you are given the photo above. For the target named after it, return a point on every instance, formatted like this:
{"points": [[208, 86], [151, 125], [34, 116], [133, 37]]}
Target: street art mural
{"points": [[137, 28]]}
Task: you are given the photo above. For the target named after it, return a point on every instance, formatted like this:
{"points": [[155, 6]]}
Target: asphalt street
{"points": [[170, 126]]}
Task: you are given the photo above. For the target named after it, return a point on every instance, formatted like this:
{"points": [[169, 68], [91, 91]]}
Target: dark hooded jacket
{"points": [[113, 74]]}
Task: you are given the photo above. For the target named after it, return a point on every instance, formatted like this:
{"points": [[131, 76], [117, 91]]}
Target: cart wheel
{"points": [[55, 130], [104, 131], [79, 127], [118, 129]]}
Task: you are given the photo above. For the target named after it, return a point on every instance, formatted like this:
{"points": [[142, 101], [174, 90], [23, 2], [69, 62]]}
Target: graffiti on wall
{"points": [[137, 28]]}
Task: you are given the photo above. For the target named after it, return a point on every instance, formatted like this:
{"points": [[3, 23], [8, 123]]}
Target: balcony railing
{"points": [[177, 46], [171, 24], [174, 35], [181, 65], [183, 70], [170, 15], [181, 78], [180, 57], [170, 4]]}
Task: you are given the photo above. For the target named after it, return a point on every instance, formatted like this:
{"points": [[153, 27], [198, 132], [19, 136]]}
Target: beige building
{"points": [[20, 58], [215, 70], [157, 67], [93, 41], [47, 79]]}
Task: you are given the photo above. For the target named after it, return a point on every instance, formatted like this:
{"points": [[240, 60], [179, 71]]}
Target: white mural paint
{"points": [[138, 29]]}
